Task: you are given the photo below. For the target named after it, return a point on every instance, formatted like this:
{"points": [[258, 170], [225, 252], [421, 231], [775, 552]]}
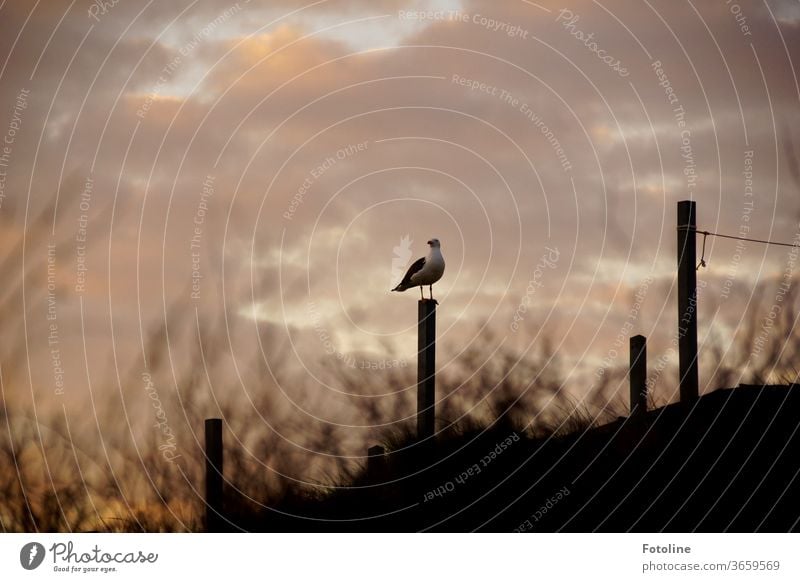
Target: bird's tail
{"points": [[399, 288]]}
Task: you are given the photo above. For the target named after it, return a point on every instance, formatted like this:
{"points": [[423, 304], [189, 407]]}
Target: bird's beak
{"points": [[430, 242]]}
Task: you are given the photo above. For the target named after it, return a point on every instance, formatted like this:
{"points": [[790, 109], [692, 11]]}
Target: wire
{"points": [[702, 262], [707, 234], [768, 242]]}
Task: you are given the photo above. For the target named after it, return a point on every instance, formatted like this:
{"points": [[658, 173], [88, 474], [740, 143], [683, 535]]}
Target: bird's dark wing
{"points": [[415, 267]]}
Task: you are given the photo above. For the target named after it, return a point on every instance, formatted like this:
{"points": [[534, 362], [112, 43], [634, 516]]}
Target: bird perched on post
{"points": [[425, 271]]}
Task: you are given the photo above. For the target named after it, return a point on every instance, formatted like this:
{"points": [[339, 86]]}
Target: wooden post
{"points": [[687, 300], [426, 369], [213, 428], [376, 463], [638, 375]]}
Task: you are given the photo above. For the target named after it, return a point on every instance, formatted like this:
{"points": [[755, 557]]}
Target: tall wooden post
{"points": [[426, 369], [213, 429], [687, 300], [638, 375]]}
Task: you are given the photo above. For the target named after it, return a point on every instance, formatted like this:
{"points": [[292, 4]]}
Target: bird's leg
{"points": [[421, 296], [430, 290]]}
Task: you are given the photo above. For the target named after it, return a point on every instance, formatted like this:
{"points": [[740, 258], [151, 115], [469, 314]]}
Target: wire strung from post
{"points": [[702, 262], [706, 234]]}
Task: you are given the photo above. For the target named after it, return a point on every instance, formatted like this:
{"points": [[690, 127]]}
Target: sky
{"points": [[250, 179]]}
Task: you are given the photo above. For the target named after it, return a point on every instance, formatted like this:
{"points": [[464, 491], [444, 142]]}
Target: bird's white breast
{"points": [[432, 271]]}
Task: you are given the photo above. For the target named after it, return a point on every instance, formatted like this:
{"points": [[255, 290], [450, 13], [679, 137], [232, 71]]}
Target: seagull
{"points": [[424, 271]]}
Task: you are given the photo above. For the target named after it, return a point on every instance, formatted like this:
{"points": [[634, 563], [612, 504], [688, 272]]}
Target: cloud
{"points": [[498, 128]]}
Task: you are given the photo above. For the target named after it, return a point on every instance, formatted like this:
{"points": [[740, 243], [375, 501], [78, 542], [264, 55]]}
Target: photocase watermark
{"points": [[401, 257], [487, 22], [521, 106], [31, 555], [53, 341], [196, 239], [82, 236], [325, 338], [349, 360], [548, 134], [777, 306], [569, 21], [184, 51], [380, 364], [549, 260], [423, 15], [169, 446], [739, 16], [100, 8], [744, 226], [624, 333], [7, 147], [679, 114], [548, 505], [318, 171], [68, 559], [472, 471]]}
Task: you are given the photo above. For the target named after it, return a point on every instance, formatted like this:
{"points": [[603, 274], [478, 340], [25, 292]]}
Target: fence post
{"points": [[638, 374], [426, 369], [213, 430], [687, 300]]}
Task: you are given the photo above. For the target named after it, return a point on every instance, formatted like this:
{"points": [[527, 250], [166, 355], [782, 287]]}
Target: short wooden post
{"points": [[638, 374], [213, 429], [687, 300], [376, 463], [426, 369]]}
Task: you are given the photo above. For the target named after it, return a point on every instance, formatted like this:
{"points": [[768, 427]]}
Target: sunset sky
{"points": [[269, 169]]}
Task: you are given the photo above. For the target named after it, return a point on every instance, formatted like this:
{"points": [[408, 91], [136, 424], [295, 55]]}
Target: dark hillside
{"points": [[728, 462]]}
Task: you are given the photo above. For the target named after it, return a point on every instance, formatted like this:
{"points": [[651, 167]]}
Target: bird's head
{"points": [[434, 243]]}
